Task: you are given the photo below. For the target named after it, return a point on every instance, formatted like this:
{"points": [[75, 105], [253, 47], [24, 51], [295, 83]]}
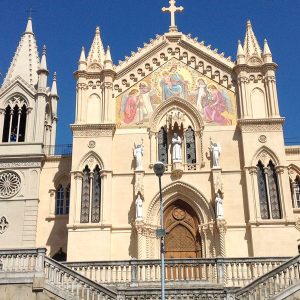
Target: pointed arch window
{"points": [[268, 189], [62, 200], [85, 196], [14, 127], [190, 146], [163, 146], [295, 190], [91, 195]]}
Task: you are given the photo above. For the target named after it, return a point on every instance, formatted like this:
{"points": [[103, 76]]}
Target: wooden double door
{"points": [[182, 238]]}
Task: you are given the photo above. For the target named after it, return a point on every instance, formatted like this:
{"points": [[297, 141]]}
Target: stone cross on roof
{"points": [[173, 9]]}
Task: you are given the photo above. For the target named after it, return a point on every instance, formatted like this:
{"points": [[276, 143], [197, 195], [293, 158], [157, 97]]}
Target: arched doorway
{"points": [[182, 236]]}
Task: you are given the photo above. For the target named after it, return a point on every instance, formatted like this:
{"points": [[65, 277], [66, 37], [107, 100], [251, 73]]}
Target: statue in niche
{"points": [[219, 207], [216, 152], [176, 142], [139, 208], [138, 153]]}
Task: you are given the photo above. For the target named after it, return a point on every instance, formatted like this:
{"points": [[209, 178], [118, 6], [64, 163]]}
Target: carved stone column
{"points": [[75, 197], [253, 197], [2, 116], [221, 225], [52, 203], [139, 226]]}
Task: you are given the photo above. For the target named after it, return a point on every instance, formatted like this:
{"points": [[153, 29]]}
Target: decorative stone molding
{"points": [[292, 150], [14, 165], [92, 144], [257, 125], [262, 138], [93, 130], [3, 225], [10, 184]]}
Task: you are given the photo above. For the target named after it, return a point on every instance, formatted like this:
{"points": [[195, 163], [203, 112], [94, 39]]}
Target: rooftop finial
{"points": [[44, 50], [173, 9], [29, 26], [97, 29]]}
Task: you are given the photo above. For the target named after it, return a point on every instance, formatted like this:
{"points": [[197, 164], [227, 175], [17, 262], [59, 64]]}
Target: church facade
{"points": [[231, 187]]}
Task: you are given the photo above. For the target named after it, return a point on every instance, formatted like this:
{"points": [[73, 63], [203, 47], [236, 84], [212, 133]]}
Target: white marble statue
{"points": [[219, 207], [176, 142], [138, 153], [139, 208], [216, 152]]}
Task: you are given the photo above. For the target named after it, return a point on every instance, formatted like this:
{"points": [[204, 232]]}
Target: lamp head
{"points": [[159, 168]]}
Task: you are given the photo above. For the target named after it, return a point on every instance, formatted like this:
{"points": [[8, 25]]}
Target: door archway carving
{"points": [[183, 238]]}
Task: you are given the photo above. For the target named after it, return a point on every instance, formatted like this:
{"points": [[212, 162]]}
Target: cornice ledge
{"points": [[107, 129], [264, 121], [292, 149]]}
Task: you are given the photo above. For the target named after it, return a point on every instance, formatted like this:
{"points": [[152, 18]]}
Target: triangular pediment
{"points": [[182, 47], [17, 86], [138, 99]]}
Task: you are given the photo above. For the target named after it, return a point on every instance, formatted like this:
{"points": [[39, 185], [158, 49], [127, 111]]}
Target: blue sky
{"points": [[65, 26]]}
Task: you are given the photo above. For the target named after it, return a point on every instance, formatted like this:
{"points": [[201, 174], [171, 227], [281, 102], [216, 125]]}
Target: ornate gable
{"points": [[174, 65]]}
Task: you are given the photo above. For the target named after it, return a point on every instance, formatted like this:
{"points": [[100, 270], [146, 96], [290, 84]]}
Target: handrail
{"points": [[272, 274], [80, 278]]}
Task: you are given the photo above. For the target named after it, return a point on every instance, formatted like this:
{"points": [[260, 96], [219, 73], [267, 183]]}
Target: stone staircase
{"points": [[216, 278]]}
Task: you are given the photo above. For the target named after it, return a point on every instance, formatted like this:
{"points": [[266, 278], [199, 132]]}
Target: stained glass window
{"points": [[190, 146], [96, 196], [262, 191], [163, 146], [85, 196], [274, 191], [59, 200]]}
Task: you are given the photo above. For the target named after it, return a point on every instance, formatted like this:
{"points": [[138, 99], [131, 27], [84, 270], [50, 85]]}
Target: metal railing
{"points": [[58, 150]]}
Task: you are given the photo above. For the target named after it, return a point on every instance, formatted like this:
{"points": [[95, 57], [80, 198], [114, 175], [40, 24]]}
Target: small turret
{"points": [[240, 56], [267, 55], [96, 53], [43, 70], [82, 61], [251, 45], [54, 87], [108, 63]]}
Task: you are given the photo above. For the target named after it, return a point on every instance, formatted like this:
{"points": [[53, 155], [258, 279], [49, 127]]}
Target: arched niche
{"points": [[258, 103], [93, 109]]}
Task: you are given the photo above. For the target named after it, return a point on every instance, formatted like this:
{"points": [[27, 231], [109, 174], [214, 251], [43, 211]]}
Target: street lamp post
{"points": [[159, 169]]}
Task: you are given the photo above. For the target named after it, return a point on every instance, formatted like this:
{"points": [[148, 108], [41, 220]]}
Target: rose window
{"points": [[9, 184]]}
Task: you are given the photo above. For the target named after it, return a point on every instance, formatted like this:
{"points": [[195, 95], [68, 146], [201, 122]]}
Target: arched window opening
{"points": [[274, 191], [262, 191], [96, 196], [22, 128], [85, 196], [268, 190], [67, 206], [6, 125], [59, 200], [91, 195], [62, 200], [190, 146], [295, 191], [60, 255], [163, 146], [14, 127]]}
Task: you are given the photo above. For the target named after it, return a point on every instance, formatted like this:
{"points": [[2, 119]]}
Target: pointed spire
{"points": [[267, 55], [43, 66], [96, 53], [26, 59], [29, 26], [240, 56], [82, 60], [54, 86], [251, 46], [108, 63]]}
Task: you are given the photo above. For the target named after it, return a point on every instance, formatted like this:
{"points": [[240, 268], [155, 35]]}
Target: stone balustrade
{"points": [[31, 264], [273, 283], [230, 272]]}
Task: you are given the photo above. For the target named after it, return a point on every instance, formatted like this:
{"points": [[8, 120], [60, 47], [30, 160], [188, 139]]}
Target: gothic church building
{"points": [[231, 187]]}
